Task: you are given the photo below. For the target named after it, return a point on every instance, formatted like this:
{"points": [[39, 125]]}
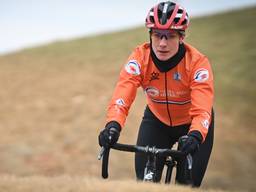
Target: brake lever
{"points": [[190, 161], [101, 153]]}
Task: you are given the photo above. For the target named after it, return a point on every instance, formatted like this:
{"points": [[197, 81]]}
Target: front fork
{"points": [[170, 164], [150, 169]]}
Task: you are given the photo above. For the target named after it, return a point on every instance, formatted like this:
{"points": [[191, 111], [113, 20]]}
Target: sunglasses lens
{"points": [[163, 33]]}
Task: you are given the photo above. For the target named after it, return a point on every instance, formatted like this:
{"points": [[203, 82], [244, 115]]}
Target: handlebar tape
{"points": [[104, 170]]}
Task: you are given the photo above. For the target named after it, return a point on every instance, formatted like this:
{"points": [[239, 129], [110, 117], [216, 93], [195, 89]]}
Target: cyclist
{"points": [[178, 84]]}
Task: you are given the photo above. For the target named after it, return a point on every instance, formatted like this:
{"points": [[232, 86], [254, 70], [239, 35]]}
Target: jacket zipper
{"points": [[166, 97]]}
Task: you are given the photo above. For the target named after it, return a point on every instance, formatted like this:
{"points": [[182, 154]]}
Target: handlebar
{"points": [[104, 152], [149, 150]]}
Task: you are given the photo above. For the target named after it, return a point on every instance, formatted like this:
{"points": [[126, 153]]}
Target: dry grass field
{"points": [[54, 98], [80, 184]]}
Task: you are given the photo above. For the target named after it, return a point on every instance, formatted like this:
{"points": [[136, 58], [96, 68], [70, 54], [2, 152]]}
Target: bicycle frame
{"points": [[172, 157]]}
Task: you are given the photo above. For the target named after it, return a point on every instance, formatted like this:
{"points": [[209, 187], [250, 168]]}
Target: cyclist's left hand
{"points": [[191, 143]]}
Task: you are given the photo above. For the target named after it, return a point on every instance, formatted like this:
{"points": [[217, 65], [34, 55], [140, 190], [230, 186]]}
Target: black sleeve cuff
{"points": [[197, 135], [114, 124]]}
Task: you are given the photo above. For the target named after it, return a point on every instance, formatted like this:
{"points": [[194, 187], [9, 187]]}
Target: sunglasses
{"points": [[168, 34]]}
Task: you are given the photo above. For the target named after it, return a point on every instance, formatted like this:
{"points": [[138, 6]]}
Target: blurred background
{"points": [[58, 67], [29, 23]]}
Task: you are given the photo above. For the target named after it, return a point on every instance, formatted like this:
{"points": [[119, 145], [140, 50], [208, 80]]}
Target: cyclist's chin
{"points": [[163, 56]]}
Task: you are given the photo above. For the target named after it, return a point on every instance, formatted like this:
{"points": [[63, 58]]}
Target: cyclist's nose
{"points": [[163, 36], [163, 41]]}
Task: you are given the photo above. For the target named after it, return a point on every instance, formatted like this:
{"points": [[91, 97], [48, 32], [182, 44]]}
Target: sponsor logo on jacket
{"points": [[177, 76], [154, 92], [154, 76], [132, 67], [201, 75], [205, 123], [120, 102]]}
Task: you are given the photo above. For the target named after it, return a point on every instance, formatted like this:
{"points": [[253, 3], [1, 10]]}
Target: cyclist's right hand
{"points": [[110, 134]]}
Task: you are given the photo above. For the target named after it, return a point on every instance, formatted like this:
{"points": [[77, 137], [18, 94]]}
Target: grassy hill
{"points": [[54, 98]]}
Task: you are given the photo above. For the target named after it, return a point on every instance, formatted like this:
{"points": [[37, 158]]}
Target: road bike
{"points": [[172, 159]]}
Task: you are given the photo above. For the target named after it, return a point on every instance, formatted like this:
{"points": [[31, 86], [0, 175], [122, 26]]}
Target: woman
{"points": [[178, 83]]}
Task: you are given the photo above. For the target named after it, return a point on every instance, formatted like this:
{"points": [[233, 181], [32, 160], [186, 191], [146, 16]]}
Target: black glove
{"points": [[110, 134], [189, 144]]}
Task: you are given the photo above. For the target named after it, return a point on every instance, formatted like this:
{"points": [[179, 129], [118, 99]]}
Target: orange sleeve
{"points": [[125, 91], [202, 95]]}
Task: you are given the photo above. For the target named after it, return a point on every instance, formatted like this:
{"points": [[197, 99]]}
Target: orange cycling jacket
{"points": [[183, 95]]}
